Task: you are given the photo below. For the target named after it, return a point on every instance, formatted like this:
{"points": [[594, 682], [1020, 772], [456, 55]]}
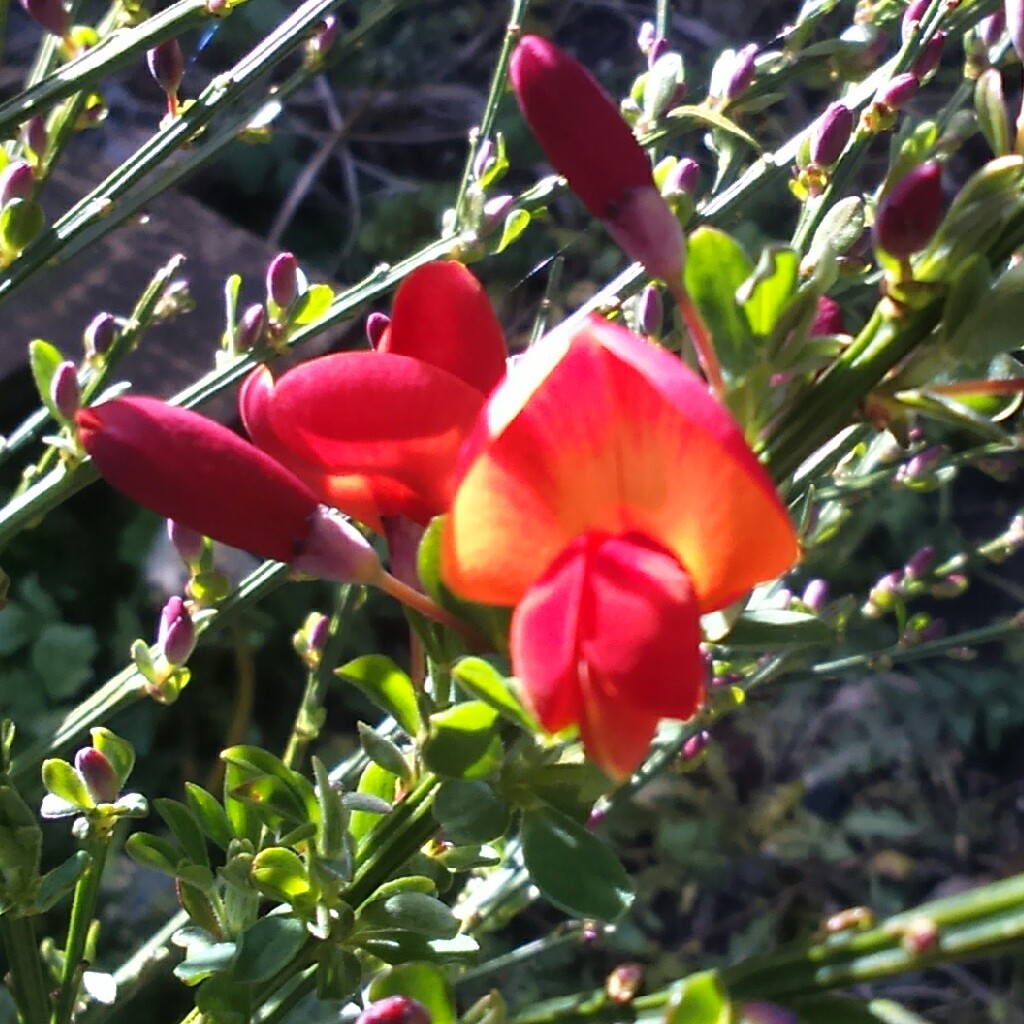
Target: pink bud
{"points": [[188, 543], [495, 211], [758, 1011], [64, 390], [166, 64], [395, 1010], [250, 328], [324, 35], [50, 14], [283, 279], [100, 334], [646, 37], [376, 325], [623, 983], [918, 563], [815, 595], [1014, 10], [658, 48], [898, 91], [990, 29], [33, 133], [683, 178], [830, 134], [930, 56], [98, 774], [483, 159], [318, 632], [912, 16], [177, 634], [696, 745], [649, 311], [738, 72], [648, 231], [334, 549], [910, 212], [828, 318], [18, 181]]}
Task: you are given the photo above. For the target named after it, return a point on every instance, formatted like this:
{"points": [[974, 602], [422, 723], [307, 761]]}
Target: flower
{"points": [[909, 214], [197, 472], [609, 497], [583, 135], [377, 434]]}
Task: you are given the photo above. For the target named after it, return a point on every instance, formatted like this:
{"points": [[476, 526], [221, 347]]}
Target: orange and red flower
{"points": [[609, 497], [377, 434]]}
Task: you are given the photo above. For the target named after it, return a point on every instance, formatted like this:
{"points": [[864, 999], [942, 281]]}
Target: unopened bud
{"points": [[18, 181], [648, 231], [623, 984], [815, 595], [596, 817], [733, 72], [187, 542], [318, 631], [100, 335], [649, 311], [64, 391], [335, 550], [921, 465], [177, 635], [395, 1010], [930, 56], [250, 328], [990, 29], [323, 38], [658, 49], [912, 16], [683, 178], [919, 563], [166, 64], [98, 774], [953, 585], [883, 595], [898, 91], [910, 212], [33, 134], [1014, 10], [283, 280], [696, 745], [828, 318], [646, 37], [920, 936], [496, 210], [830, 134], [376, 325], [758, 1011], [483, 159], [50, 14]]}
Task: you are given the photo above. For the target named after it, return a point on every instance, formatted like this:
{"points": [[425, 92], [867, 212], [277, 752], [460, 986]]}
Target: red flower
{"points": [[376, 434], [198, 473], [909, 214], [613, 500], [580, 129]]}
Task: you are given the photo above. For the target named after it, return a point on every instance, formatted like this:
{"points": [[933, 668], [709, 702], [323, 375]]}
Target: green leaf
{"points": [[516, 223], [268, 947], [374, 782], [338, 973], [333, 838], [272, 788], [62, 657], [153, 852], [704, 117], [994, 324], [312, 304], [470, 811], [968, 291], [424, 982], [56, 884], [202, 961], [280, 873], [61, 780], [483, 681], [220, 1000], [990, 106], [407, 883], [380, 749], [463, 741], [572, 867], [120, 753], [401, 947], [776, 629], [716, 267], [880, 824], [700, 999], [409, 911], [212, 817], [383, 682], [184, 828], [17, 628], [44, 358], [767, 291]]}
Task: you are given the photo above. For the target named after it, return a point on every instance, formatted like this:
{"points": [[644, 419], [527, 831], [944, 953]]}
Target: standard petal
{"points": [[198, 473], [442, 315], [380, 425], [600, 430]]}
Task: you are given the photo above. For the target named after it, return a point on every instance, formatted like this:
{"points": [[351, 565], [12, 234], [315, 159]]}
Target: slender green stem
{"points": [[661, 20], [28, 983], [481, 134], [83, 909]]}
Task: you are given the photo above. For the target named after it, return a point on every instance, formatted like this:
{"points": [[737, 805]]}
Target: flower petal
{"points": [[383, 430], [442, 315], [578, 126], [596, 429], [198, 473]]}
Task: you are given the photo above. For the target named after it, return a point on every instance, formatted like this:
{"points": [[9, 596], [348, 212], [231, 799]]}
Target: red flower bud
{"points": [[912, 16], [930, 56], [64, 390], [898, 91], [738, 72], [283, 279], [395, 1010], [376, 325], [830, 134], [50, 14], [250, 328], [98, 774], [18, 181], [176, 637], [910, 212], [683, 178], [828, 319], [190, 469], [166, 64], [580, 129], [990, 29], [33, 134], [100, 334]]}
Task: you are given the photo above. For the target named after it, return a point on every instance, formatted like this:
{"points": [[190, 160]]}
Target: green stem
{"points": [[494, 94], [661, 20], [28, 983], [83, 910]]}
